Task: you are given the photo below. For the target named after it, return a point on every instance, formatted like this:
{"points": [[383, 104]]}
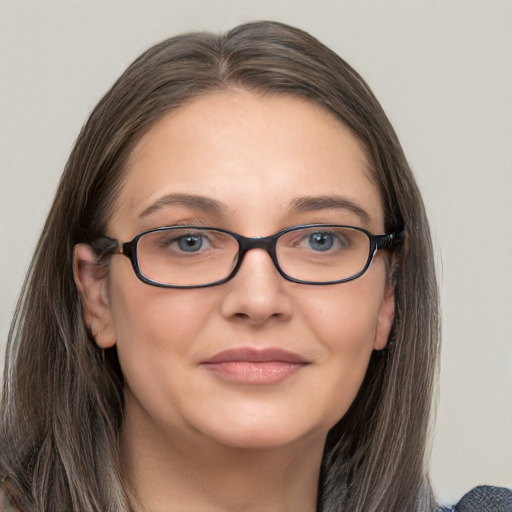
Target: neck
{"points": [[176, 472]]}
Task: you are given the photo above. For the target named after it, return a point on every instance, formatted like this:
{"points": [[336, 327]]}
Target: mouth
{"points": [[255, 366]]}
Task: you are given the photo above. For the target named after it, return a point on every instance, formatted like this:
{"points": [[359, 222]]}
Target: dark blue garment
{"points": [[484, 499]]}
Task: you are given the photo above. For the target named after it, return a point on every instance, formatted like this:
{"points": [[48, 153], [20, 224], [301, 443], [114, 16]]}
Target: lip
{"points": [[255, 366], [253, 355]]}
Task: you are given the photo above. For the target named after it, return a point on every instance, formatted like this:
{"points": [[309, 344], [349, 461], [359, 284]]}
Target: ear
{"points": [[91, 281], [385, 318]]}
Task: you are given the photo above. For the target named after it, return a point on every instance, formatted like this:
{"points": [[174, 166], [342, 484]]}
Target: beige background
{"points": [[443, 72]]}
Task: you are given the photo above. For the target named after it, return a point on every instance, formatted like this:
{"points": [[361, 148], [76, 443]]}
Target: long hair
{"points": [[62, 402]]}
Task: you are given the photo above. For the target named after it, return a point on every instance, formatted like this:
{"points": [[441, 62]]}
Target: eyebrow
{"points": [[316, 203], [195, 202], [300, 204]]}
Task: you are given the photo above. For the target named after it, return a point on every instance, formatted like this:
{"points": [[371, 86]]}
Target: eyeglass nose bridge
{"points": [[267, 243]]}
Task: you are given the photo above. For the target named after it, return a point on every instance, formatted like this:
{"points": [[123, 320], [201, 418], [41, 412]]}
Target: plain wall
{"points": [[443, 72]]}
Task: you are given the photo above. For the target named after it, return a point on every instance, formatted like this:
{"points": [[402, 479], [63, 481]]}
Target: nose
{"points": [[257, 293]]}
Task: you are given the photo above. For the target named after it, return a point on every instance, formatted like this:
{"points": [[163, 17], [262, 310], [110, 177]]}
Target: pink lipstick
{"points": [[255, 366]]}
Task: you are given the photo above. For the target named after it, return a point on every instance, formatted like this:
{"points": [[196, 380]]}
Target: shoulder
{"points": [[484, 498], [7, 498]]}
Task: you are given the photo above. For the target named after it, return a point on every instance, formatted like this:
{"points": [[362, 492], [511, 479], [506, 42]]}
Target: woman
{"points": [[233, 303]]}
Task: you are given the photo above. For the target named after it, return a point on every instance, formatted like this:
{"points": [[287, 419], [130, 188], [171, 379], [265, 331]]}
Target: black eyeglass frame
{"points": [[106, 246]]}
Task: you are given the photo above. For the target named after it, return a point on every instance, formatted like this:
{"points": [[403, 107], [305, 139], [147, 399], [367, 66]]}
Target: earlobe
{"points": [[385, 318], [90, 280]]}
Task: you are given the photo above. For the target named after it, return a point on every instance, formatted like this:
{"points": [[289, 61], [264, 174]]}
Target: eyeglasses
{"points": [[195, 256]]}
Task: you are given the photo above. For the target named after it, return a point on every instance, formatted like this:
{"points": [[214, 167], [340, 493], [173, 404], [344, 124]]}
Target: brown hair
{"points": [[62, 401]]}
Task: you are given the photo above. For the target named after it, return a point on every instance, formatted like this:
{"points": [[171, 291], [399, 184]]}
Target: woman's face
{"points": [[189, 355]]}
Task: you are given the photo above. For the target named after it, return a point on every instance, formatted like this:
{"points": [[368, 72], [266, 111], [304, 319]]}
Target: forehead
{"points": [[249, 152]]}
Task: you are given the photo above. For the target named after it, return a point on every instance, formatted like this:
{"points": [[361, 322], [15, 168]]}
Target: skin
{"points": [[192, 439]]}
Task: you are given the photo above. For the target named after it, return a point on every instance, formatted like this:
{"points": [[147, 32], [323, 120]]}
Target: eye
{"points": [[323, 241], [191, 243], [185, 242]]}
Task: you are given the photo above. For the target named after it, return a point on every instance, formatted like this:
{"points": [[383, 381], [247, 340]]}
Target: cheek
{"points": [[155, 327], [344, 321], [156, 331], [344, 317], [145, 314]]}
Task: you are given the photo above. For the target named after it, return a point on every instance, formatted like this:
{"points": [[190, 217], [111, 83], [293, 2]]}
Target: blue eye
{"points": [[321, 241], [190, 243]]}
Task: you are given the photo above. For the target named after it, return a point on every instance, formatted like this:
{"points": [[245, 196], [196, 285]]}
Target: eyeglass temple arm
{"points": [[107, 246], [389, 241]]}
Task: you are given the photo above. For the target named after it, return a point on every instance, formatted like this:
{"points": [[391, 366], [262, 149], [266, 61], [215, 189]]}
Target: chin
{"points": [[260, 434], [257, 440]]}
